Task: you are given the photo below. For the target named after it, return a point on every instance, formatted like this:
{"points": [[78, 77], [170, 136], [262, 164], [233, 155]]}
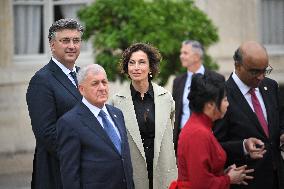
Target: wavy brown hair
{"points": [[153, 55]]}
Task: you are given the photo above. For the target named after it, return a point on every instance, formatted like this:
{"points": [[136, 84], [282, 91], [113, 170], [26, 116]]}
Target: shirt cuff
{"points": [[244, 148]]}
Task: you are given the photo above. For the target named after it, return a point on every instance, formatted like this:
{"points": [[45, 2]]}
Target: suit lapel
{"points": [[63, 79], [89, 120], [130, 118], [181, 87], [240, 100], [264, 90], [160, 121]]}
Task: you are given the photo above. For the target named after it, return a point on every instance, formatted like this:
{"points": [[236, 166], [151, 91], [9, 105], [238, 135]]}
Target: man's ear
{"points": [[51, 45], [81, 89], [196, 57], [237, 56]]}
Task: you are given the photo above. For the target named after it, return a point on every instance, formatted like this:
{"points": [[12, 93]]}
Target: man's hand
{"points": [[255, 148]]}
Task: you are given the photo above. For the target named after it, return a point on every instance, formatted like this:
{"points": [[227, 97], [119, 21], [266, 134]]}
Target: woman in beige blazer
{"points": [[149, 117]]}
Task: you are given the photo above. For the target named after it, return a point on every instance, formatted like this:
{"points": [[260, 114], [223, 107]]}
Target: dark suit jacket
{"points": [[177, 92], [240, 122], [50, 94], [88, 158]]}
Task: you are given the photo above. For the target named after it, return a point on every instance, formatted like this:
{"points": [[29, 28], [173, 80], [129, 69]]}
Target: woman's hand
{"points": [[238, 175]]}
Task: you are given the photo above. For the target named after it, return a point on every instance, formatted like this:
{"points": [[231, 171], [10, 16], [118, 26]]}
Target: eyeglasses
{"points": [[257, 72], [67, 41]]}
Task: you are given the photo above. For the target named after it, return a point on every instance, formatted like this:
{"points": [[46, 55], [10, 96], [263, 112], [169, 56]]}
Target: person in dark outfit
{"points": [[52, 91], [250, 130], [191, 57], [92, 140]]}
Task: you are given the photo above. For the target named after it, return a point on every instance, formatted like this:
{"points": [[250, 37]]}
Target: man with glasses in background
{"points": [[251, 129], [191, 57], [52, 91]]}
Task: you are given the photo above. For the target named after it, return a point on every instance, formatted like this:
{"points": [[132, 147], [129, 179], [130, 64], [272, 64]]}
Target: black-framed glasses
{"points": [[67, 40], [257, 72]]}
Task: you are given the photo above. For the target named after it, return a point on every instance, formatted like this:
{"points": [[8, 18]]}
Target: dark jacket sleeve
{"points": [[42, 111], [69, 150]]}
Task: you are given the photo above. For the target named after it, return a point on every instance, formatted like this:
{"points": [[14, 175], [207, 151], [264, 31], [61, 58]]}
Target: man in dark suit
{"points": [[191, 57], [92, 140], [51, 92], [251, 129]]}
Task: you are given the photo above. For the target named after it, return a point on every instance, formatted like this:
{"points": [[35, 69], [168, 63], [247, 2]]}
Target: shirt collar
{"points": [[242, 86], [95, 110], [200, 70], [62, 67], [150, 91]]}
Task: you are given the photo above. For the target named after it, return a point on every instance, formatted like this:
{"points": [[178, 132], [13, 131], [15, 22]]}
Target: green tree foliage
{"points": [[113, 25]]}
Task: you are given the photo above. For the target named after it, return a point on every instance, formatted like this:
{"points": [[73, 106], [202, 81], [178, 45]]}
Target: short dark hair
{"points": [[66, 23], [238, 56], [206, 88], [152, 52]]}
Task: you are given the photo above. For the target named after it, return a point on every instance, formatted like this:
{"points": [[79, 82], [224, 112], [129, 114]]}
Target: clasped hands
{"points": [[238, 175]]}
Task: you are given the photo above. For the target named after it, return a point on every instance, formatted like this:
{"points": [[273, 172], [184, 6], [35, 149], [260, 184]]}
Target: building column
{"points": [[6, 33]]}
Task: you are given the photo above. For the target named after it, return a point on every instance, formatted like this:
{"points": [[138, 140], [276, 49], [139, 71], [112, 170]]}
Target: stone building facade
{"points": [[237, 21]]}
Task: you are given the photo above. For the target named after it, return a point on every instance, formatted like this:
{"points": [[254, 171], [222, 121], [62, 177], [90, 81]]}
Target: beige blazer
{"points": [[164, 163]]}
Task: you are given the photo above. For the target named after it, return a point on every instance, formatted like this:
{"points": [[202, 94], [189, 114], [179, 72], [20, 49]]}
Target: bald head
{"points": [[253, 51], [251, 63]]}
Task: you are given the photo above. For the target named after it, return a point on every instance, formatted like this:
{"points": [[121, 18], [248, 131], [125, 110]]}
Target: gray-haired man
{"points": [[92, 140], [191, 57], [53, 91]]}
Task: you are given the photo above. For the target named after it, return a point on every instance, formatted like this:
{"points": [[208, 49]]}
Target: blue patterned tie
{"points": [[73, 74], [108, 127]]}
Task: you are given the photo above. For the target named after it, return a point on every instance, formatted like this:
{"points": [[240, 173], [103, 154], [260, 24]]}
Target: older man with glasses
{"points": [[251, 129]]}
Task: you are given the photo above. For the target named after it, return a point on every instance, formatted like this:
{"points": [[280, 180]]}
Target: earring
{"points": [[150, 74]]}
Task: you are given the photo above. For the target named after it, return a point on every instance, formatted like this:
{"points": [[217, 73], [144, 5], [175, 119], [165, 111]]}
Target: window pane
{"points": [[69, 11], [28, 33], [272, 17]]}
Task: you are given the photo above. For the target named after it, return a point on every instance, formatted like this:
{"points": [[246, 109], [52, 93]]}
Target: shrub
{"points": [[114, 25]]}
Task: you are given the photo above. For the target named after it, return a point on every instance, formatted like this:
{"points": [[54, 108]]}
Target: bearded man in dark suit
{"points": [[251, 129]]}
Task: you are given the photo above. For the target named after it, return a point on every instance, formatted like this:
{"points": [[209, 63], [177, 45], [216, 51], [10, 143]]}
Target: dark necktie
{"points": [[109, 128], [73, 74], [258, 111]]}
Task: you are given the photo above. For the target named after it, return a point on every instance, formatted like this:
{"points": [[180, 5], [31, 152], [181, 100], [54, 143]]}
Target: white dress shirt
{"points": [[245, 91], [185, 103], [65, 70], [95, 110]]}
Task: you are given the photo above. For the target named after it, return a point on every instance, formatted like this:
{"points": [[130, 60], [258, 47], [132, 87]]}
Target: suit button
{"points": [[124, 181], [122, 159]]}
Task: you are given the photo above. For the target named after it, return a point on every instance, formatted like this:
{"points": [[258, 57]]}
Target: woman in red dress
{"points": [[201, 158]]}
